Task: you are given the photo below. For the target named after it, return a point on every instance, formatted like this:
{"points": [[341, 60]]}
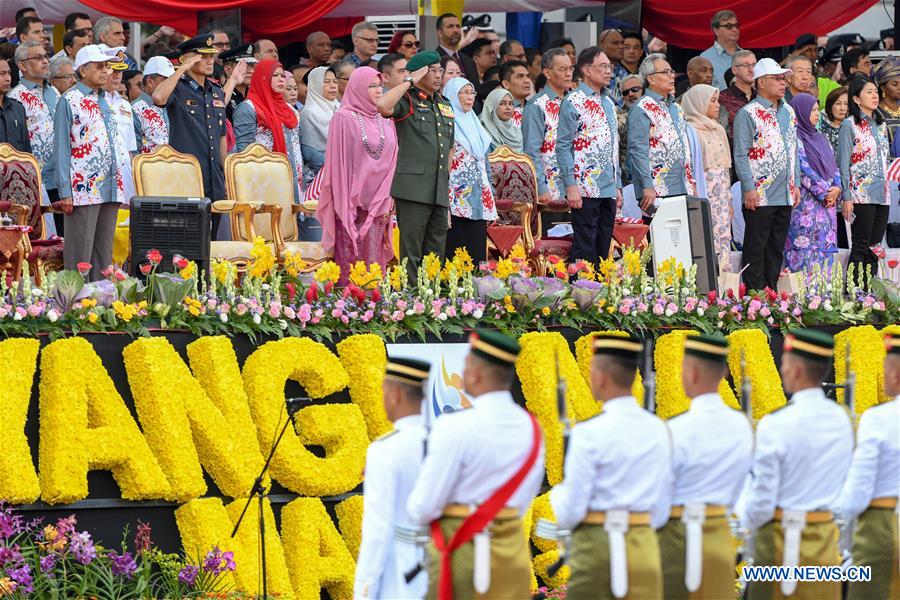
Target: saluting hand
{"points": [[190, 61], [240, 70], [418, 74]]}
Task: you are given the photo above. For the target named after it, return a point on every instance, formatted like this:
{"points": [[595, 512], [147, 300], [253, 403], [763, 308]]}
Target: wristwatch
{"points": [[408, 80]]}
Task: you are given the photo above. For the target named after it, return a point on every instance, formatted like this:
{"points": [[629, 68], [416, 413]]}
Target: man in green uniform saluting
{"points": [[424, 121]]}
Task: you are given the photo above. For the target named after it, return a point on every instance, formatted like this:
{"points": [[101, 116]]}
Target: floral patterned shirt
{"points": [[40, 108], [247, 130], [517, 115], [765, 151], [863, 159], [658, 151], [151, 124], [812, 232], [471, 194], [587, 148], [85, 132], [541, 119]]}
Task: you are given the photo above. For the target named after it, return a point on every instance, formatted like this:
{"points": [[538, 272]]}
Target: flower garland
{"points": [[548, 549], [19, 483], [85, 425], [183, 427], [766, 392], [584, 352], [364, 357], [536, 360], [866, 361], [247, 548], [316, 555], [349, 514], [339, 429]]}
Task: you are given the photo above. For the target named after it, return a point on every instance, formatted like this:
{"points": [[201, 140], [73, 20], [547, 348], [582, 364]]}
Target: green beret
{"points": [[810, 344], [494, 346], [623, 346], [707, 347], [423, 59], [411, 371]]}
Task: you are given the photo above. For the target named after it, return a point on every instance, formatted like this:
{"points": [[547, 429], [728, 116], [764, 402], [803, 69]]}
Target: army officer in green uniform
{"points": [[424, 123]]}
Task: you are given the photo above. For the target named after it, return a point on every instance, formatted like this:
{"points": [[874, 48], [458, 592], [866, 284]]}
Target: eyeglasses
{"points": [[39, 57], [70, 77], [564, 70], [730, 26], [631, 90], [466, 92], [745, 66], [668, 72], [222, 45], [415, 44], [365, 39], [603, 67], [374, 86]]}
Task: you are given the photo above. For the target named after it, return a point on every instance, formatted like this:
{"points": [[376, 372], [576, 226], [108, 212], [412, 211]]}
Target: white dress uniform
{"points": [[472, 453], [875, 469], [802, 456], [619, 460], [393, 462]]}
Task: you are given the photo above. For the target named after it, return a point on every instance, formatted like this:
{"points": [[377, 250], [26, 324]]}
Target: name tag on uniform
{"points": [[424, 110], [218, 104], [446, 110], [191, 102]]}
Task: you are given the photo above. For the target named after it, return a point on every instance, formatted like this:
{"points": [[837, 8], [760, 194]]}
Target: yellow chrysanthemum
{"points": [[126, 312], [263, 259], [329, 271]]}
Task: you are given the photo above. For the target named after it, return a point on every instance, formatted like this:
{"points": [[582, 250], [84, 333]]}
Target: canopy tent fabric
{"points": [[683, 23]]}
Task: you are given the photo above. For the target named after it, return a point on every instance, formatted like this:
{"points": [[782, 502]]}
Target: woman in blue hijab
{"points": [[471, 195]]}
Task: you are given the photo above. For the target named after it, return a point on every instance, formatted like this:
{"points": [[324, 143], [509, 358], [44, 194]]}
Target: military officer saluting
{"points": [[196, 108], [424, 121], [870, 492], [484, 466], [392, 465], [238, 64], [801, 459], [616, 469], [712, 447]]}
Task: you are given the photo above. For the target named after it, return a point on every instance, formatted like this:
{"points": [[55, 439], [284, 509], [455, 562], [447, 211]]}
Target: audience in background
{"points": [[343, 70], [741, 90], [632, 51], [887, 77], [512, 50], [13, 129], [365, 44], [801, 79], [498, 119], [483, 56], [62, 75], [321, 103], [612, 42], [450, 68], [449, 33], [318, 48], [263, 49], [727, 32], [836, 110]]}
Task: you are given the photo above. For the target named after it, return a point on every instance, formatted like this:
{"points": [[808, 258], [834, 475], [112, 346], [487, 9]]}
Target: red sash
{"points": [[479, 519]]}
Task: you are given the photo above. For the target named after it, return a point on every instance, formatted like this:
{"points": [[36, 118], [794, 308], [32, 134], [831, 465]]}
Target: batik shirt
{"points": [[588, 145], [471, 194], [658, 151], [40, 108], [864, 161], [539, 125], [85, 133], [765, 151], [247, 130], [151, 124], [518, 115]]}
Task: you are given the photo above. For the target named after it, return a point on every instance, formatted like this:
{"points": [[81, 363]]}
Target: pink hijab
{"points": [[353, 180]]}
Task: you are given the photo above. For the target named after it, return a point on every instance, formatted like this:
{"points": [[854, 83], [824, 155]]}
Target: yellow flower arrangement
{"points": [[349, 514], [262, 258], [246, 549], [432, 265], [328, 271], [867, 354], [339, 428], [221, 269], [670, 272], [18, 480], [184, 427], [190, 271], [536, 360], [632, 261], [584, 353], [294, 263], [204, 523], [193, 306], [363, 277], [395, 275], [316, 555], [548, 550], [518, 252], [766, 394], [364, 357], [506, 267], [462, 261], [85, 425]]}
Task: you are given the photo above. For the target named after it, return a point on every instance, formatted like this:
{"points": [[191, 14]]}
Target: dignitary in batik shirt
{"points": [[541, 120], [765, 159], [86, 164], [870, 491], [587, 151], [151, 122], [39, 99], [393, 462], [658, 151]]}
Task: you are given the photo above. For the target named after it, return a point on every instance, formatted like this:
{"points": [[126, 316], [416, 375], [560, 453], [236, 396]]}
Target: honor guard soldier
{"points": [[424, 121], [484, 466], [616, 470], [801, 458], [230, 60], [392, 465], [712, 448], [870, 492], [196, 109]]}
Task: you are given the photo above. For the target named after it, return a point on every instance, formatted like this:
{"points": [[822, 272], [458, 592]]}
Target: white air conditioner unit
{"points": [[388, 25]]}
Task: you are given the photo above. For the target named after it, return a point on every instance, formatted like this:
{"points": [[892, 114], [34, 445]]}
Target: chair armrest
{"points": [[307, 207], [238, 209], [525, 210]]}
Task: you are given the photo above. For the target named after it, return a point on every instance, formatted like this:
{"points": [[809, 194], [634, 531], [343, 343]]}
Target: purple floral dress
{"points": [[812, 235]]}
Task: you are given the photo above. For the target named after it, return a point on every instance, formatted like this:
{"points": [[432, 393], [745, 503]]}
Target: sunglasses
{"points": [[730, 26], [631, 90], [415, 44]]}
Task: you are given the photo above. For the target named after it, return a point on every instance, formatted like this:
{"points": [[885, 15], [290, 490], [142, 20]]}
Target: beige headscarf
{"points": [[716, 151]]}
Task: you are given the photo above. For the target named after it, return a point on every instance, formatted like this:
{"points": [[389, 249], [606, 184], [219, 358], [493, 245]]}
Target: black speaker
{"points": [[172, 226], [703, 248]]}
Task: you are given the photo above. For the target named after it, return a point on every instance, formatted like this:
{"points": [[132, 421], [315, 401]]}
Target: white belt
{"points": [[792, 523], [693, 517], [616, 527]]}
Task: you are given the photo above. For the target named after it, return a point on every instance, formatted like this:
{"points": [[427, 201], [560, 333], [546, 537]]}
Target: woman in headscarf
{"points": [[471, 195], [355, 199], [321, 102], [887, 77], [709, 144], [812, 234], [265, 118], [497, 118]]}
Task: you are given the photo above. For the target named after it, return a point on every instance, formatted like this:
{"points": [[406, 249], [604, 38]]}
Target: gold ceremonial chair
{"points": [[257, 174], [515, 190], [166, 172]]}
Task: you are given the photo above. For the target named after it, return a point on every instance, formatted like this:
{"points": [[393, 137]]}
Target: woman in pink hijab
{"points": [[355, 201]]}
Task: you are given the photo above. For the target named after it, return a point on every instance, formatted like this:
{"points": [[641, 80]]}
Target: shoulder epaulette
{"points": [[385, 436]]}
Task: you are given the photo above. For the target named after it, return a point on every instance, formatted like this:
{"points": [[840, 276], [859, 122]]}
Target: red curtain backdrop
{"points": [[260, 17], [764, 23]]}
